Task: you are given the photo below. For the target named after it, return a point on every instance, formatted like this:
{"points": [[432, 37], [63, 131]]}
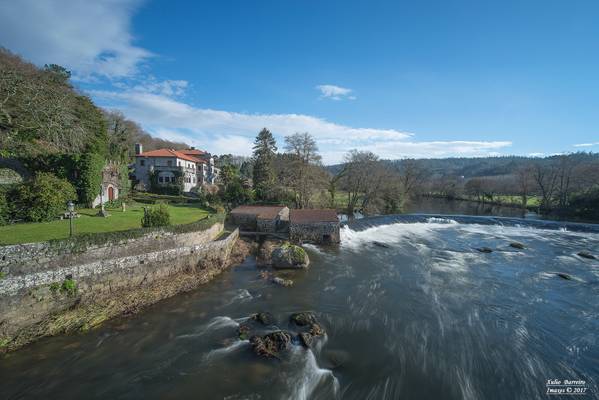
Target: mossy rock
{"points": [[289, 256]]}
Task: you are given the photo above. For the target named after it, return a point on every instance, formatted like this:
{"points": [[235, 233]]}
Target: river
{"points": [[427, 317]]}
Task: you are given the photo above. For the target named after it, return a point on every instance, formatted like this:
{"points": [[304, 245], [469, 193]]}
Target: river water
{"points": [[428, 317]]}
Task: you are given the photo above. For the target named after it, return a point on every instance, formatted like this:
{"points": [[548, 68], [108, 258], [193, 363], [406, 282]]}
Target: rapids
{"points": [[425, 317]]}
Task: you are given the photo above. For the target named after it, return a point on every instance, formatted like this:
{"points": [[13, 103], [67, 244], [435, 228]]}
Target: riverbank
{"points": [[45, 291]]}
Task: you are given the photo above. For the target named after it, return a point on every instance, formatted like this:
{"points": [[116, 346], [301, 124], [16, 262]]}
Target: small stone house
{"points": [[261, 218], [317, 226]]}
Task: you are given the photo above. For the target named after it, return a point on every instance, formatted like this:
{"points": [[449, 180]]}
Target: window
{"points": [[142, 162], [167, 178], [169, 163], [160, 179]]}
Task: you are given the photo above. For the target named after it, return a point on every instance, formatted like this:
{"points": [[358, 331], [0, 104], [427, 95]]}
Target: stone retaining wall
{"points": [[139, 272]]}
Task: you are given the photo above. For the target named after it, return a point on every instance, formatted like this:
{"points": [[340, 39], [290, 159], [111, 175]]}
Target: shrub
{"points": [[156, 216], [44, 198]]}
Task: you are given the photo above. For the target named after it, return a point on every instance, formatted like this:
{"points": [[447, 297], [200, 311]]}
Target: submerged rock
{"points": [[271, 344], [289, 256], [303, 318], [517, 245], [586, 254], [264, 253], [282, 282], [265, 318], [243, 331], [484, 249], [564, 276], [336, 358], [381, 244]]}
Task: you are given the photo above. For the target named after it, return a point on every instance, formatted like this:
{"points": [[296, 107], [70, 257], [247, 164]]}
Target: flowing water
{"points": [[427, 317]]}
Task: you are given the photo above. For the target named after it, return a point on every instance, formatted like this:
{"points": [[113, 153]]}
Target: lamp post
{"points": [[71, 209]]}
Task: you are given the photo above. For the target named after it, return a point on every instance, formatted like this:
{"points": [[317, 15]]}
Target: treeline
{"points": [[60, 137], [562, 185], [296, 177]]}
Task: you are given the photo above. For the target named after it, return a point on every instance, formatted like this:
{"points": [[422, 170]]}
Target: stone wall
{"points": [[35, 301], [317, 232], [244, 221], [22, 259]]}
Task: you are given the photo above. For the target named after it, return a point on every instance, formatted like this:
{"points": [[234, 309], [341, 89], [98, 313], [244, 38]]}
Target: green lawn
{"points": [[89, 223]]}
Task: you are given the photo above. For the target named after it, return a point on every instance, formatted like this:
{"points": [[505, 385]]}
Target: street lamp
{"points": [[71, 209]]}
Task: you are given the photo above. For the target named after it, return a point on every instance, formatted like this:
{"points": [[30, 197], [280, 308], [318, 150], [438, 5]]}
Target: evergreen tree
{"points": [[265, 148]]}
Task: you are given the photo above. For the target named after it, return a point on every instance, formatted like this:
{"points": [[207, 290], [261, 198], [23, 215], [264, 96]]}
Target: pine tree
{"points": [[265, 148]]}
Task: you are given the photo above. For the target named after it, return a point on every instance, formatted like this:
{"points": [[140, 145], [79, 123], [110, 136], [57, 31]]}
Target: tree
{"points": [[44, 198], [232, 188], [304, 173], [545, 178], [524, 183], [358, 173], [264, 148], [411, 177]]}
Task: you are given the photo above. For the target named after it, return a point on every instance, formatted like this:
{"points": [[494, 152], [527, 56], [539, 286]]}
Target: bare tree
{"points": [[545, 178], [304, 172], [358, 171]]}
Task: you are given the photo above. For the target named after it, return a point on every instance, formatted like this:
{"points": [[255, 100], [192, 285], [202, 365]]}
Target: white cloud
{"points": [[536, 154], [233, 132], [586, 144], [87, 37], [335, 92]]}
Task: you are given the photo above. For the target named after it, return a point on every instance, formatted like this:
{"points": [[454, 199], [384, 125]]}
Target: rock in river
{"points": [[289, 256], [303, 318], [586, 254], [381, 244], [564, 276], [484, 249], [282, 282], [305, 339], [265, 318], [517, 245], [271, 344]]}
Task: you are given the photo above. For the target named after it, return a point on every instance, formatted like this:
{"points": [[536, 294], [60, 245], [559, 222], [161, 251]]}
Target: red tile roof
{"points": [[170, 153], [261, 212], [312, 215]]}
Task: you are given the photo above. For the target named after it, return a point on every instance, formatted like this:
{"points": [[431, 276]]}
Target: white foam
{"points": [[311, 375], [214, 324], [217, 353]]}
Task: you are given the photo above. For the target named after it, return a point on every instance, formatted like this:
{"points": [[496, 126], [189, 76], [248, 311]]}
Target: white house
{"points": [[195, 166]]}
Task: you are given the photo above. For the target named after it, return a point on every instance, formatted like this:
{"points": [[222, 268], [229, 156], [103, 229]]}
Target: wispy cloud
{"points": [[586, 144], [335, 92], [89, 38], [222, 131]]}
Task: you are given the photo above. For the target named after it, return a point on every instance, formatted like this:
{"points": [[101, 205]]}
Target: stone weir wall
{"points": [[45, 291]]}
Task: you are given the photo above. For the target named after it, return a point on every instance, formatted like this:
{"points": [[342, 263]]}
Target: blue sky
{"points": [[403, 79]]}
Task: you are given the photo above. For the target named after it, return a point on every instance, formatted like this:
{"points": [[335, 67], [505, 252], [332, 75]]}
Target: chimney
{"points": [[138, 149], [193, 147]]}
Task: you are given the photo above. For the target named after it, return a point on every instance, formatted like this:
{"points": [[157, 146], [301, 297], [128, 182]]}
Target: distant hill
{"points": [[469, 167]]}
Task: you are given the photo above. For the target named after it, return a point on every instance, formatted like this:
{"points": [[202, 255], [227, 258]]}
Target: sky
{"points": [[399, 78]]}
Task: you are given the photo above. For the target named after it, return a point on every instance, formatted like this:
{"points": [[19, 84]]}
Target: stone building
{"points": [[261, 218], [111, 184], [317, 226]]}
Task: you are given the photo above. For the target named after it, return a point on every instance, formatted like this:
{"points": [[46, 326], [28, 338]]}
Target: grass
{"points": [[89, 223]]}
